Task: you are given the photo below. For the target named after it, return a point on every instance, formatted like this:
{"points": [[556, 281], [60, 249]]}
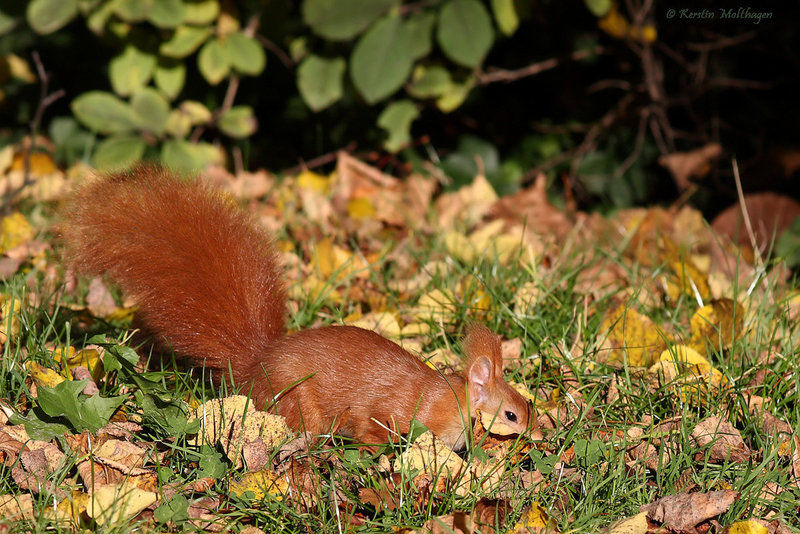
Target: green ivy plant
{"points": [[403, 57], [148, 76]]}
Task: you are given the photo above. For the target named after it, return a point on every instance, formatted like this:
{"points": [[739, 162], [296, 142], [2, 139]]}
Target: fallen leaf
{"points": [[693, 164], [685, 511], [636, 524], [725, 441]]}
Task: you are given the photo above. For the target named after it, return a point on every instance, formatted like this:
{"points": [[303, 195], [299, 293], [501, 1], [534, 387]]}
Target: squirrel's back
{"points": [[205, 277]]}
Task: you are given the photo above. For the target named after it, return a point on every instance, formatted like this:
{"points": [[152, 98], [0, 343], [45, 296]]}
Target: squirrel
{"points": [[209, 286]]}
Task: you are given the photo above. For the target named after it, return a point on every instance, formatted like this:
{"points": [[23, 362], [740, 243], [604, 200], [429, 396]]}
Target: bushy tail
{"points": [[205, 276]]}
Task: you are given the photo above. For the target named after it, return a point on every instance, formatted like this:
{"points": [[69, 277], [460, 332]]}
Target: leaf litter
{"points": [[655, 312]]}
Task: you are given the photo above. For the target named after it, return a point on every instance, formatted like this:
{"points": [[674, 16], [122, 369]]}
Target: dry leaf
{"points": [[113, 504], [636, 524], [726, 442], [632, 338], [693, 164], [683, 512]]}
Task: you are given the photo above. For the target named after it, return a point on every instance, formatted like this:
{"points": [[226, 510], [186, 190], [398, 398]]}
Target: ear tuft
{"points": [[481, 342]]}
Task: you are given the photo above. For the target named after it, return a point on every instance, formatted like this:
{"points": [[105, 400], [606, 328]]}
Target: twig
{"points": [[284, 58], [45, 101], [320, 160], [502, 75]]}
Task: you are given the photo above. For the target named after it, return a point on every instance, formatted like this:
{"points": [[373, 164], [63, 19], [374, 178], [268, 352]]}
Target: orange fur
{"points": [[209, 285]]}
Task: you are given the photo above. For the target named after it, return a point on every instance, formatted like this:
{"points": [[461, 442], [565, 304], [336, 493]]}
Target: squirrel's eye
{"points": [[511, 416]]}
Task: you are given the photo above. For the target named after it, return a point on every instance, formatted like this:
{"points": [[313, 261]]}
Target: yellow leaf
{"points": [[459, 246], [116, 503], [436, 305], [384, 323], [14, 231], [747, 527], [716, 325], [10, 315], [614, 23], [316, 182], [429, 455], [636, 524], [44, 376], [534, 517], [689, 278], [262, 483], [361, 208], [632, 337], [41, 163], [20, 69]]}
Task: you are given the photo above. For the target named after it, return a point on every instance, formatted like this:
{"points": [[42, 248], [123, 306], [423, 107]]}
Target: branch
{"points": [[502, 75]]}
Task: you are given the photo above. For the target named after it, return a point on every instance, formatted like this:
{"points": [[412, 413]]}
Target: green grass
{"points": [[588, 477]]}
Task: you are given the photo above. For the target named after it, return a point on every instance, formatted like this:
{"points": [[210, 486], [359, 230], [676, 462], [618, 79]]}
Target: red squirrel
{"points": [[209, 285]]}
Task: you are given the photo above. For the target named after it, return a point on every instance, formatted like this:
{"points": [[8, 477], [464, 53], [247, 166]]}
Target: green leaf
{"points": [[47, 16], [599, 8], [320, 80], [238, 122], [96, 410], [61, 399], [465, 32], [7, 22], [133, 10], [83, 413], [97, 19], [167, 13], [118, 152], [151, 110], [201, 12], [211, 463], [382, 59], [505, 14], [430, 82], [787, 246], [455, 95], [184, 41], [176, 509], [103, 112], [170, 77], [131, 70], [341, 20], [246, 55], [183, 155], [37, 428], [214, 62], [420, 32], [396, 119]]}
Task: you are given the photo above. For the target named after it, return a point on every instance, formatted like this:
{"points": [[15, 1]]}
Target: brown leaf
{"points": [[770, 214], [692, 164], [726, 442], [683, 512], [99, 299], [532, 207]]}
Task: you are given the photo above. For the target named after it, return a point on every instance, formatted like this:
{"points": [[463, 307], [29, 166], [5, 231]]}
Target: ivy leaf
{"points": [[118, 152], [132, 10], [505, 14], [420, 31], [131, 70], [396, 119], [382, 59], [186, 156], [320, 80], [184, 41], [151, 110], [48, 16], [83, 413], [103, 112], [341, 20], [214, 62], [238, 122], [170, 77], [246, 55], [167, 13], [465, 32]]}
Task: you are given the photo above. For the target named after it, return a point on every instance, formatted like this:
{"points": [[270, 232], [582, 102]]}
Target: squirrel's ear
{"points": [[481, 342], [480, 375]]}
